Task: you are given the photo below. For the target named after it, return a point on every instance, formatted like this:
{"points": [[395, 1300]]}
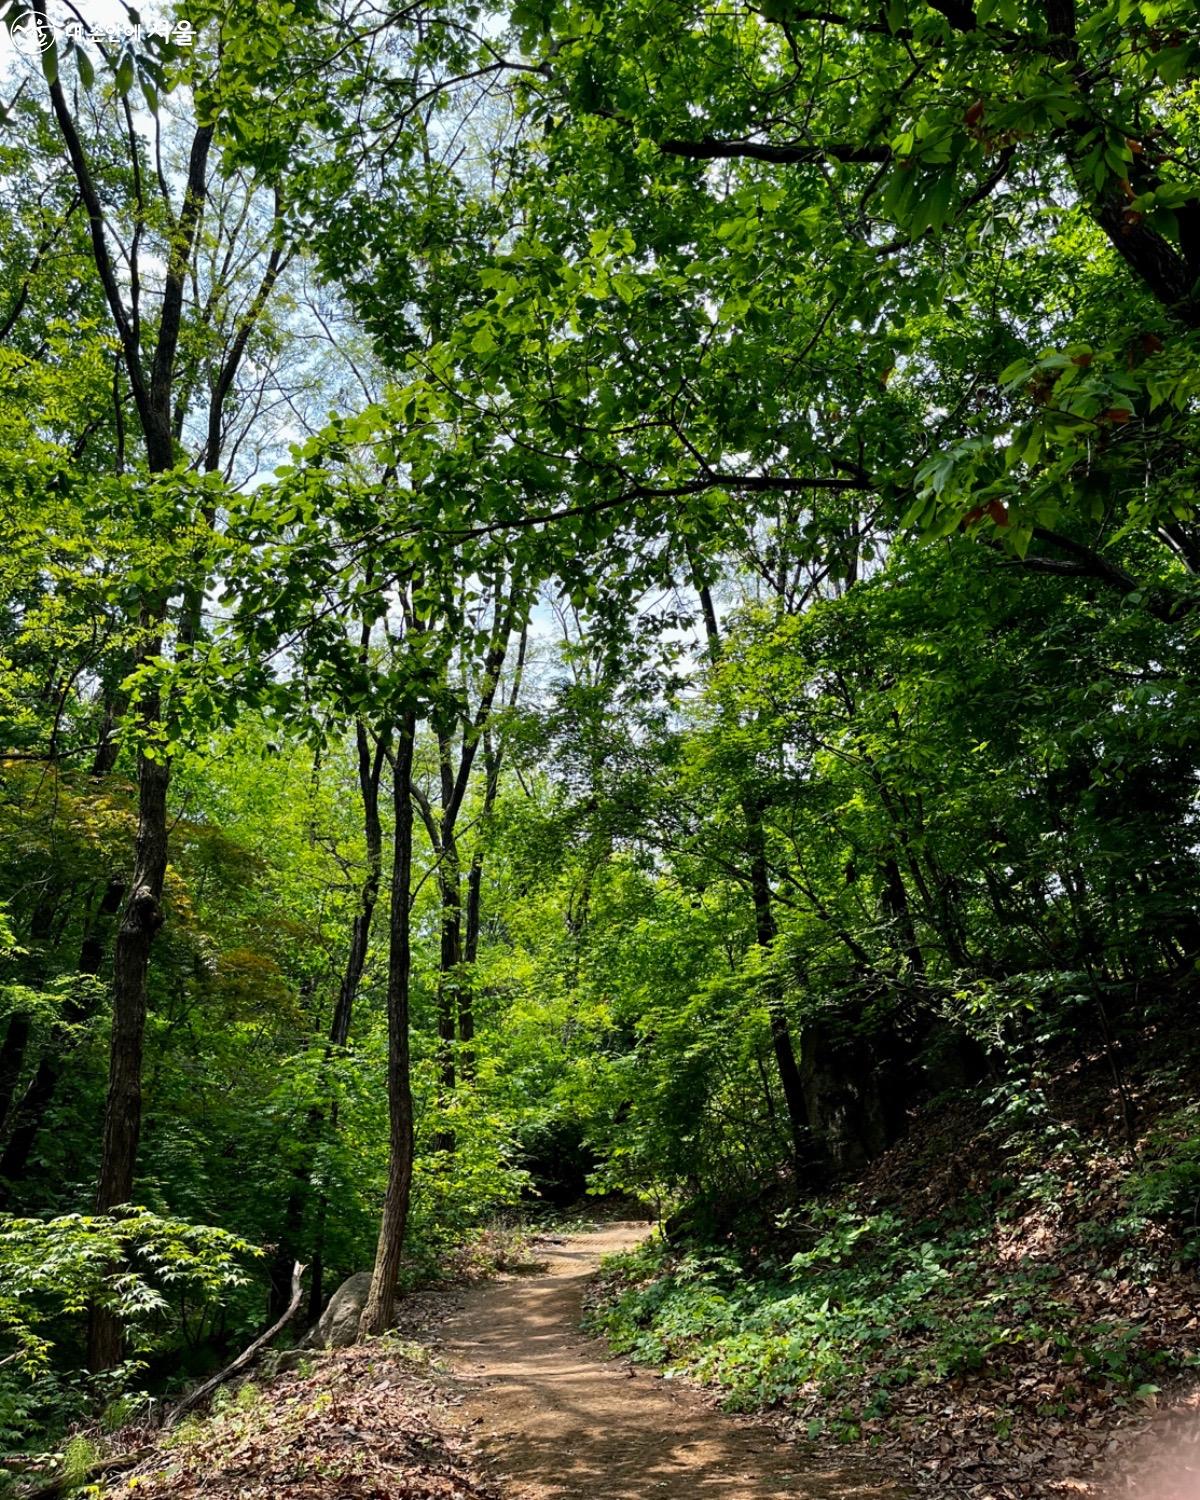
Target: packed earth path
{"points": [[553, 1414]]}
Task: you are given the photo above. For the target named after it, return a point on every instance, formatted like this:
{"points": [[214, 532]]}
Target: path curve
{"points": [[554, 1415]]}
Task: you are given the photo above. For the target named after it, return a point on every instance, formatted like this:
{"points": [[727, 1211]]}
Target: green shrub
{"points": [[874, 1304], [148, 1269], [1167, 1183]]}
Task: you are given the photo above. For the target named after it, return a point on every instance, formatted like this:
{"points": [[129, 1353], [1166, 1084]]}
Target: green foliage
{"points": [[79, 1455], [1166, 1182], [153, 1271], [876, 1303], [139, 1264], [455, 1192], [759, 460]]}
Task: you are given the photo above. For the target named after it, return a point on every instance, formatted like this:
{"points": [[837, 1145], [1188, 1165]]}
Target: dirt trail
{"points": [[555, 1416]]}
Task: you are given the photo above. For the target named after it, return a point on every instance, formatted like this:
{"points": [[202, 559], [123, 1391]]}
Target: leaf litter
{"points": [[367, 1423]]}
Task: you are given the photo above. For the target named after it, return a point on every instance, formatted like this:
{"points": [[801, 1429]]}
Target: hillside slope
{"points": [[1005, 1305]]}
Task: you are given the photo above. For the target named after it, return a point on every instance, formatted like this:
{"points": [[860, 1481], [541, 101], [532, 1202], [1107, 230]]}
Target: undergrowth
{"points": [[1045, 1278]]}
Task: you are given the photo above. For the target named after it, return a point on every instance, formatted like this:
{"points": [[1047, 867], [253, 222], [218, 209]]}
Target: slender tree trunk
{"points": [[108, 745], [450, 893], [898, 907], [12, 1062], [492, 758], [151, 382], [455, 1017], [31, 1111], [27, 1116], [95, 940], [377, 1314], [466, 1001], [449, 975], [466, 990], [139, 925], [765, 930], [370, 765], [20, 1023]]}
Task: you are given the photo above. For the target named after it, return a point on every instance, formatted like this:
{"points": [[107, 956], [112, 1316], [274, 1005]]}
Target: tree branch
{"points": [[1083, 561], [497, 651], [245, 1357], [100, 251], [747, 483], [38, 255], [709, 149], [182, 239], [228, 371], [1153, 259]]}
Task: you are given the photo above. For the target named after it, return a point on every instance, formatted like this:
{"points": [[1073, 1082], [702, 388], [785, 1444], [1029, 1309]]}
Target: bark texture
{"points": [[377, 1315]]}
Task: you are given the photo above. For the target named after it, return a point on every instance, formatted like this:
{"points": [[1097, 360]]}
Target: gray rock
{"points": [[338, 1328]]}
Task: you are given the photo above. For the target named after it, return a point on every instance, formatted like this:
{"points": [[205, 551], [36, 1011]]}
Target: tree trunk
{"points": [[140, 923], [370, 766], [31, 1111], [897, 906], [765, 930], [27, 1115], [449, 976], [781, 1034], [455, 1018], [131, 958], [466, 992], [12, 1062], [20, 1023], [492, 759], [377, 1314], [108, 745], [151, 385]]}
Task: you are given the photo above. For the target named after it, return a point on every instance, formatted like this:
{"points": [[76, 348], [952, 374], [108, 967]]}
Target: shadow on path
{"points": [[555, 1416]]}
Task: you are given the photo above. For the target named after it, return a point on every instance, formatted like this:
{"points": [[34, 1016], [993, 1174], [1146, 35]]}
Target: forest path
{"points": [[555, 1415]]}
